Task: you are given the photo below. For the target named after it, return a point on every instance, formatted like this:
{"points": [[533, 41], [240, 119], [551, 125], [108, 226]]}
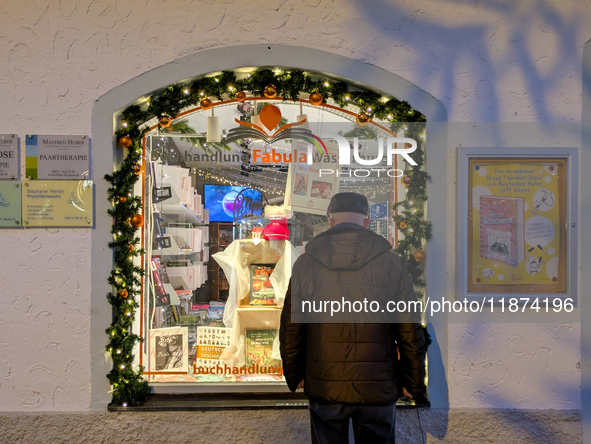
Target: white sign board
{"points": [[9, 156]]}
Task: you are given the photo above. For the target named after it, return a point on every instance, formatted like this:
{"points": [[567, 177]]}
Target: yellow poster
{"points": [[516, 225], [57, 203]]}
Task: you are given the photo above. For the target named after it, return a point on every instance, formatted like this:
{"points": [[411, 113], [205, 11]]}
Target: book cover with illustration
{"points": [[261, 289], [502, 236], [259, 348], [210, 343]]}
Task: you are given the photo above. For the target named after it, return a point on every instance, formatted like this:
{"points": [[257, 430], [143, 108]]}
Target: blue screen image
{"points": [[219, 200]]}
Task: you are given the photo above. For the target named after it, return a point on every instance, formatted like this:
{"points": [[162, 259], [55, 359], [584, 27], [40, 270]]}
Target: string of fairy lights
{"points": [[234, 180]]}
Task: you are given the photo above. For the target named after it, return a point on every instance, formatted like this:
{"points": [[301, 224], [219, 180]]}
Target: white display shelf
{"points": [[174, 299], [172, 208], [174, 249], [178, 212]]}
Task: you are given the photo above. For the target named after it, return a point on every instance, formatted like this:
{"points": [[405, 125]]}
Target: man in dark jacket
{"points": [[351, 370]]}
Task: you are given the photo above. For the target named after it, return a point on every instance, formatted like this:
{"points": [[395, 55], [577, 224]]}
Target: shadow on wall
{"points": [[463, 51], [437, 369]]}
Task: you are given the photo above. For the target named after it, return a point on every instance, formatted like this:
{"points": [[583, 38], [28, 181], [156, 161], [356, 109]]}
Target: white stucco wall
{"points": [[513, 61]]}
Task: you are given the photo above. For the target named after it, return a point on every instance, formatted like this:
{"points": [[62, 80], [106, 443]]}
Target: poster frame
{"points": [[569, 228], [153, 334]]}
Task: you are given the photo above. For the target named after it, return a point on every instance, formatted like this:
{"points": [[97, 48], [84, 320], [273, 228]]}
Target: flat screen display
{"points": [[221, 202]]}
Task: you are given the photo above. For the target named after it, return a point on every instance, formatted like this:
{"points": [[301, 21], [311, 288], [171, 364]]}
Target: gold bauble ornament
{"points": [[206, 103], [136, 168], [419, 256], [270, 92], [130, 247], [122, 199], [123, 293], [241, 96], [362, 118], [316, 98], [406, 180], [403, 225], [137, 220], [165, 121], [125, 142]]}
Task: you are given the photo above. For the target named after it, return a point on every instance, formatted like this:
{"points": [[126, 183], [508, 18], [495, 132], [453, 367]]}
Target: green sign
{"points": [[57, 203], [10, 204]]}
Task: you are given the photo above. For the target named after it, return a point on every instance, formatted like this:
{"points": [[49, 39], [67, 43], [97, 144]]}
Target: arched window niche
{"points": [[177, 320]]}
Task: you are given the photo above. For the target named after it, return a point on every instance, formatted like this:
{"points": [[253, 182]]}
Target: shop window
{"points": [[226, 217]]}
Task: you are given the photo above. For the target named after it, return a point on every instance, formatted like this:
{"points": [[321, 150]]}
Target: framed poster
{"points": [[169, 350], [516, 226]]}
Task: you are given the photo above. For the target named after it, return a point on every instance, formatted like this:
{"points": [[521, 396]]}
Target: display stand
{"points": [[239, 314]]}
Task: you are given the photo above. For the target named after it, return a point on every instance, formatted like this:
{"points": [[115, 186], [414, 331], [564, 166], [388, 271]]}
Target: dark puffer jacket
{"points": [[352, 363]]}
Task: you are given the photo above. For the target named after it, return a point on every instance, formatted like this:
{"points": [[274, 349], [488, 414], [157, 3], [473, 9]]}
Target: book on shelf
{"points": [[216, 310], [176, 313], [180, 224], [261, 289], [259, 348], [178, 263], [502, 236], [161, 295]]}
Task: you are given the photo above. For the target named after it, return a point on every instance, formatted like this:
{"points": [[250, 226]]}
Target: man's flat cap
{"points": [[348, 203]]}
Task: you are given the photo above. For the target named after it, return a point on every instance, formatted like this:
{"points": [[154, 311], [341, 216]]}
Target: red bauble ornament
{"points": [[137, 220], [206, 103], [241, 96], [126, 142], [165, 121], [419, 256], [316, 98], [270, 92], [123, 293]]}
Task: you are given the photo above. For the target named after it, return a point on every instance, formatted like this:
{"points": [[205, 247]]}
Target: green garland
{"points": [[129, 387], [128, 384], [411, 211]]}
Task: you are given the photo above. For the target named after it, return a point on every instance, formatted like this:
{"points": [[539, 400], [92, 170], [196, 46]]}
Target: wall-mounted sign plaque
{"points": [[57, 157], [10, 204], [9, 157], [57, 203]]}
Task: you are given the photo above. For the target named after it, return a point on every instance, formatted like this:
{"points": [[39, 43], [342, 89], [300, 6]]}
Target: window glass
{"points": [[219, 244]]}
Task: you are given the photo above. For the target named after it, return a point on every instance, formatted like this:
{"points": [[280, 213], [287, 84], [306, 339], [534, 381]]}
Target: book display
{"points": [[177, 256], [213, 299], [261, 288]]}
